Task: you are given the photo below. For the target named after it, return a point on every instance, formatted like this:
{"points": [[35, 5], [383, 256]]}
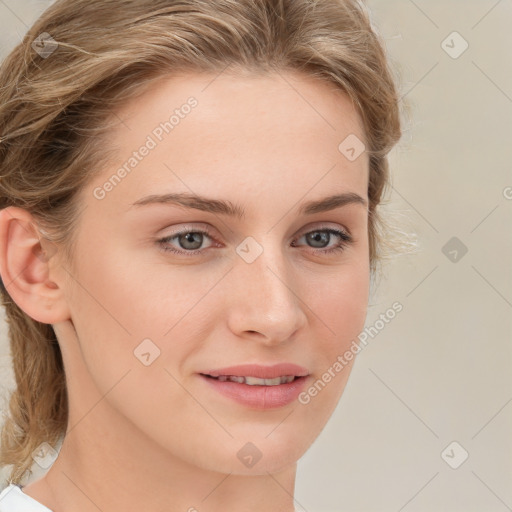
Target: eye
{"points": [[190, 241], [323, 236]]}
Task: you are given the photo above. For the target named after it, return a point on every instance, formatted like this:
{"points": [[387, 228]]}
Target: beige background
{"points": [[441, 370]]}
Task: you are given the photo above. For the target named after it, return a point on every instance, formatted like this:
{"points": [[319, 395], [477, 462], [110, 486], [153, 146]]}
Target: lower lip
{"points": [[259, 397]]}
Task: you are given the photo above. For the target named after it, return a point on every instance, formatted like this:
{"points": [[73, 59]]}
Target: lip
{"points": [[259, 397], [261, 371]]}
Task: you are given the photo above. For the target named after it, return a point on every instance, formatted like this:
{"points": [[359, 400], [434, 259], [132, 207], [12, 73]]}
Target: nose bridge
{"points": [[269, 280], [266, 300]]}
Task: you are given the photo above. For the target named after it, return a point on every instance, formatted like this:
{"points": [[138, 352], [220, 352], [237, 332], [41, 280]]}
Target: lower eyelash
{"points": [[345, 240]]}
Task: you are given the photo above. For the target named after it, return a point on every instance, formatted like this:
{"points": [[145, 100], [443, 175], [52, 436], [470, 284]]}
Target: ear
{"points": [[28, 268]]}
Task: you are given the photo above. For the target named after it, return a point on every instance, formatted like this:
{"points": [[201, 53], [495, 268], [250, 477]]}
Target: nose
{"points": [[266, 304]]}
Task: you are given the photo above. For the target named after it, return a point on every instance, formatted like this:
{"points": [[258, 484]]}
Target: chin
{"points": [[257, 455]]}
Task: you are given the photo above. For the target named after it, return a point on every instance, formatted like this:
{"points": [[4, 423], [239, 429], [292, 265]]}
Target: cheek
{"points": [[340, 304], [125, 306], [340, 301]]}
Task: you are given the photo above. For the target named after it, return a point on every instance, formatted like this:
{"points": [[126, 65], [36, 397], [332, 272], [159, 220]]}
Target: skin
{"points": [[157, 438]]}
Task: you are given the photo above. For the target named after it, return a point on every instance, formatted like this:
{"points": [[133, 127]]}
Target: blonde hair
{"points": [[54, 110]]}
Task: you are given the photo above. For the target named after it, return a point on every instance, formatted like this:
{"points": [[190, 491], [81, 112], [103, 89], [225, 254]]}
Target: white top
{"points": [[13, 499]]}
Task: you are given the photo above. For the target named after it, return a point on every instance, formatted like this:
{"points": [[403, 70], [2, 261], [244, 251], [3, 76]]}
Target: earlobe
{"points": [[27, 267]]}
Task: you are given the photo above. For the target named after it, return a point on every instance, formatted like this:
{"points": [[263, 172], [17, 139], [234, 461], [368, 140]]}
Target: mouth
{"points": [[258, 386], [254, 381]]}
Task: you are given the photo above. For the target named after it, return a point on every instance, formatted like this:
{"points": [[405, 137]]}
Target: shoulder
{"points": [[13, 499]]}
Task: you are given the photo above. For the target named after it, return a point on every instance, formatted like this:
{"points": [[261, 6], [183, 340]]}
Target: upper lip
{"points": [[260, 371]]}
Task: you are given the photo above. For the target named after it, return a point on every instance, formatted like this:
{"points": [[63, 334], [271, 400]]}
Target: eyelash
{"points": [[345, 240]]}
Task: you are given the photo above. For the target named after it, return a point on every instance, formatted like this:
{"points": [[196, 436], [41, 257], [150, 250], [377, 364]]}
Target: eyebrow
{"points": [[228, 208]]}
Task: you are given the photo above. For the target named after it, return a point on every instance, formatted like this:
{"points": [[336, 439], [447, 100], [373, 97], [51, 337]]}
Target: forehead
{"points": [[264, 134], [249, 101]]}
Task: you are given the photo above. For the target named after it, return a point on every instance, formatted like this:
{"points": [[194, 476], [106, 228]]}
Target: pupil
{"points": [[319, 237], [189, 238]]}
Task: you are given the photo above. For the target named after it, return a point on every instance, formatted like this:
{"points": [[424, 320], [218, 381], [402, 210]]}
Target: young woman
{"points": [[188, 230]]}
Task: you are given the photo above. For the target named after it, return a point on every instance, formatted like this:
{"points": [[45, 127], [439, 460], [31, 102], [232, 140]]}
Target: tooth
{"points": [[255, 381], [234, 378]]}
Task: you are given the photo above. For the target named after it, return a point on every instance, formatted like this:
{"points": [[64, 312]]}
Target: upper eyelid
{"points": [[301, 233], [209, 229]]}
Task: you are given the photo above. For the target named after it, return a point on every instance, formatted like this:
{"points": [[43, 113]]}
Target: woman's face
{"points": [[258, 280]]}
